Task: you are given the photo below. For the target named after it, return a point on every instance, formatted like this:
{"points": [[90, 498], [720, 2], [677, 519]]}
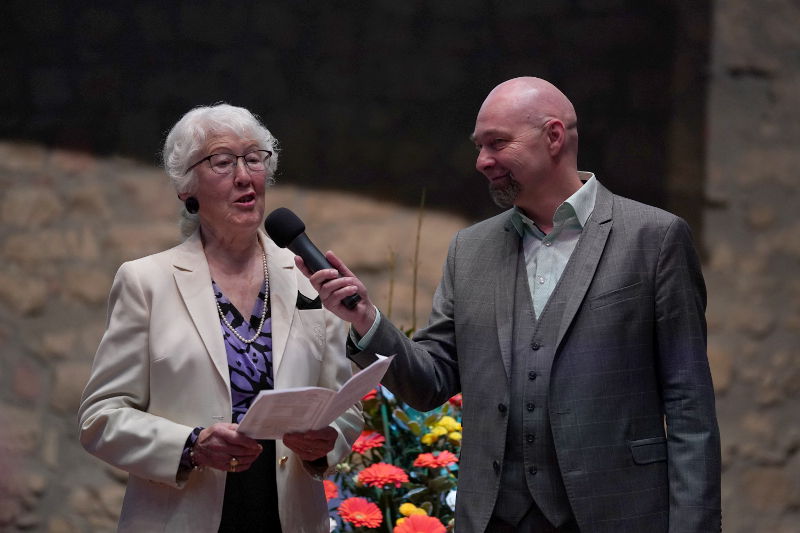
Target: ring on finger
{"points": [[232, 464]]}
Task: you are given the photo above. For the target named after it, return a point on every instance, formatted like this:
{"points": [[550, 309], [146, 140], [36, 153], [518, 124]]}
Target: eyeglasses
{"points": [[255, 161]]}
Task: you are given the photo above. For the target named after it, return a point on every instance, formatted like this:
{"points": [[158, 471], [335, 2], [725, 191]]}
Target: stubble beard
{"points": [[506, 194]]}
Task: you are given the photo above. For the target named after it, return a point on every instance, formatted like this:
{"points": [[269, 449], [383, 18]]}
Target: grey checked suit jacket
{"points": [[631, 402]]}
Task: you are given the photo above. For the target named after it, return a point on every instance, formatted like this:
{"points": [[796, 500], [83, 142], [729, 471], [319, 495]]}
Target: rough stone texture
{"points": [[751, 233]]}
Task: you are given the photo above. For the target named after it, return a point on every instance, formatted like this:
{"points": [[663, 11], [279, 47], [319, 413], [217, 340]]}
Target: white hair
{"points": [[188, 137]]}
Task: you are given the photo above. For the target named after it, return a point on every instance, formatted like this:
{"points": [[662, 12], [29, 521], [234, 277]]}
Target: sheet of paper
{"points": [[276, 412]]}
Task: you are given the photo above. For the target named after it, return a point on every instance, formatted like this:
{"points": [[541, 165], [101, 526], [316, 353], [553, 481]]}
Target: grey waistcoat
{"points": [[530, 469]]}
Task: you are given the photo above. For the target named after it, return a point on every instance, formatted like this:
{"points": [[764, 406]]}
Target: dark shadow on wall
{"points": [[377, 97]]}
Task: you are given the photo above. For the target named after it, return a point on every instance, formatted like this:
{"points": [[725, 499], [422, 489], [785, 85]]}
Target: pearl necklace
{"points": [[263, 311]]}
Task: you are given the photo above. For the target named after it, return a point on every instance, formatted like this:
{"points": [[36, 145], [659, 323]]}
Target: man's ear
{"points": [[556, 136]]}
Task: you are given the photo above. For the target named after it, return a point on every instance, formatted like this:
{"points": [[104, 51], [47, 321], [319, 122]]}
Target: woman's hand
{"points": [[222, 447], [313, 444], [333, 287]]}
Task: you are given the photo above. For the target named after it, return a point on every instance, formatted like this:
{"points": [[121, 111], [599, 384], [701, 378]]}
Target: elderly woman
{"points": [[195, 332]]}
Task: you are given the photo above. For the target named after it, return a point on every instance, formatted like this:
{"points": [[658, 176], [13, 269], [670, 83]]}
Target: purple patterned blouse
{"points": [[250, 365]]}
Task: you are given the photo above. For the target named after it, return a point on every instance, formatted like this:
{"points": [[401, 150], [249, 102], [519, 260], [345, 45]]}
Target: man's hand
{"points": [[332, 289]]}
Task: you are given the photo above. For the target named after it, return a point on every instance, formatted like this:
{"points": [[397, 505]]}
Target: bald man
{"points": [[574, 325]]}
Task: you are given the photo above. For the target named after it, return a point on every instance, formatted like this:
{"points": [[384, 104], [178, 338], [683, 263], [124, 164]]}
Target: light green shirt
{"points": [[546, 256]]}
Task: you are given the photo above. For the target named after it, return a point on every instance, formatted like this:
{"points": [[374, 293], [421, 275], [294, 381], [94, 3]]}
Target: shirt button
{"points": [[547, 243], [532, 470], [502, 407], [530, 438], [540, 279], [530, 406], [532, 375], [535, 345]]}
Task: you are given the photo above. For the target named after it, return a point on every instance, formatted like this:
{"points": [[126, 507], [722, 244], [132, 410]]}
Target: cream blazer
{"points": [[161, 370]]}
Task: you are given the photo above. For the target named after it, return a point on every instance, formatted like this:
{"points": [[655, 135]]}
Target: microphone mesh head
{"points": [[283, 226]]}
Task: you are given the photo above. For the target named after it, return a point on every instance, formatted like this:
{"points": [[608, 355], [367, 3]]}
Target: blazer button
{"points": [[532, 375], [502, 407], [532, 470], [530, 437], [282, 460], [535, 346], [530, 406]]}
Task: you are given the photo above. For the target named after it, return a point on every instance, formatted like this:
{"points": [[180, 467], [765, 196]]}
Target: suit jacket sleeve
{"points": [[424, 373], [114, 422], [688, 395]]}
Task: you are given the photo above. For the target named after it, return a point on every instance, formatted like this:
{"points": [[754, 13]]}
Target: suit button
{"points": [[532, 470], [502, 407], [535, 345], [530, 406], [530, 437], [532, 375], [496, 466]]}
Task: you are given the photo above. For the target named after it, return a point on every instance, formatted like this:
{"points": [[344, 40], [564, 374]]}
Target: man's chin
{"points": [[504, 194]]}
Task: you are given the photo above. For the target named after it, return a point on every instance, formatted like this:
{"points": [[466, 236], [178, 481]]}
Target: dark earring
{"points": [[192, 205]]}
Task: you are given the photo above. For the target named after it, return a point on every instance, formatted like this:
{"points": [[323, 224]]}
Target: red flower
{"points": [[360, 512], [428, 460], [382, 474], [368, 439], [418, 523], [331, 490], [371, 395], [456, 400]]}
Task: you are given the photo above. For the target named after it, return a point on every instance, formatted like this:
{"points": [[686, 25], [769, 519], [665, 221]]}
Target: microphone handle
{"points": [[315, 260]]}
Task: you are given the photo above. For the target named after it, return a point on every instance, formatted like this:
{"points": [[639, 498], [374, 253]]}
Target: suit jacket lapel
{"points": [[193, 279], [587, 256], [283, 297], [507, 251]]}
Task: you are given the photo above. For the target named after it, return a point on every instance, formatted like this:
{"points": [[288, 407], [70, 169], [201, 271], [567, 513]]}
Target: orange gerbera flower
{"points": [[382, 474], [371, 395], [368, 439], [428, 460], [331, 490], [417, 523], [360, 512]]}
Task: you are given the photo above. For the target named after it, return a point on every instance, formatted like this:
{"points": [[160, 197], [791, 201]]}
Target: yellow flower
{"points": [[407, 508], [455, 437], [429, 438], [449, 423], [439, 431]]}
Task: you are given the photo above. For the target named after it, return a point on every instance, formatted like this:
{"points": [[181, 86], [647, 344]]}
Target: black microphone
{"points": [[288, 231]]}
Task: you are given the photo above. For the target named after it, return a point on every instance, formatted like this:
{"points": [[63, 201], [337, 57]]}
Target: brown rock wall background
{"points": [[723, 156]]}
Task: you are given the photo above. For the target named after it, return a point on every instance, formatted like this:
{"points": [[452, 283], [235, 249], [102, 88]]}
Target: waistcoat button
{"points": [[502, 407], [532, 470], [536, 346], [530, 406], [530, 437], [531, 375]]}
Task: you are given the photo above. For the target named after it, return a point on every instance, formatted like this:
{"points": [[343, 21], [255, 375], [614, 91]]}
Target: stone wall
{"points": [[752, 236]]}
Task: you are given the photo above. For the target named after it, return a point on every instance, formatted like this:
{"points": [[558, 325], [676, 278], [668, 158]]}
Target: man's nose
{"points": [[484, 161]]}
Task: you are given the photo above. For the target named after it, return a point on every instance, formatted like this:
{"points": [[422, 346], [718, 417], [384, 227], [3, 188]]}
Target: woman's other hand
{"points": [[313, 444]]}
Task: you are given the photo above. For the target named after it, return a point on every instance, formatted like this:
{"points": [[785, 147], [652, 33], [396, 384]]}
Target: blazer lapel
{"points": [[193, 279], [283, 297], [508, 252], [587, 255]]}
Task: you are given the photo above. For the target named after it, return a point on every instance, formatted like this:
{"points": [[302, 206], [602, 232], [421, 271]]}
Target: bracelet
{"points": [[193, 463]]}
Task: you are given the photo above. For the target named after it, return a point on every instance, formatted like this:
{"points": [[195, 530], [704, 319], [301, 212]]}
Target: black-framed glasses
{"points": [[256, 161]]}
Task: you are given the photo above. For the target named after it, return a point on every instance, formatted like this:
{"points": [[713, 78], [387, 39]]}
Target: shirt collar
{"points": [[578, 206]]}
